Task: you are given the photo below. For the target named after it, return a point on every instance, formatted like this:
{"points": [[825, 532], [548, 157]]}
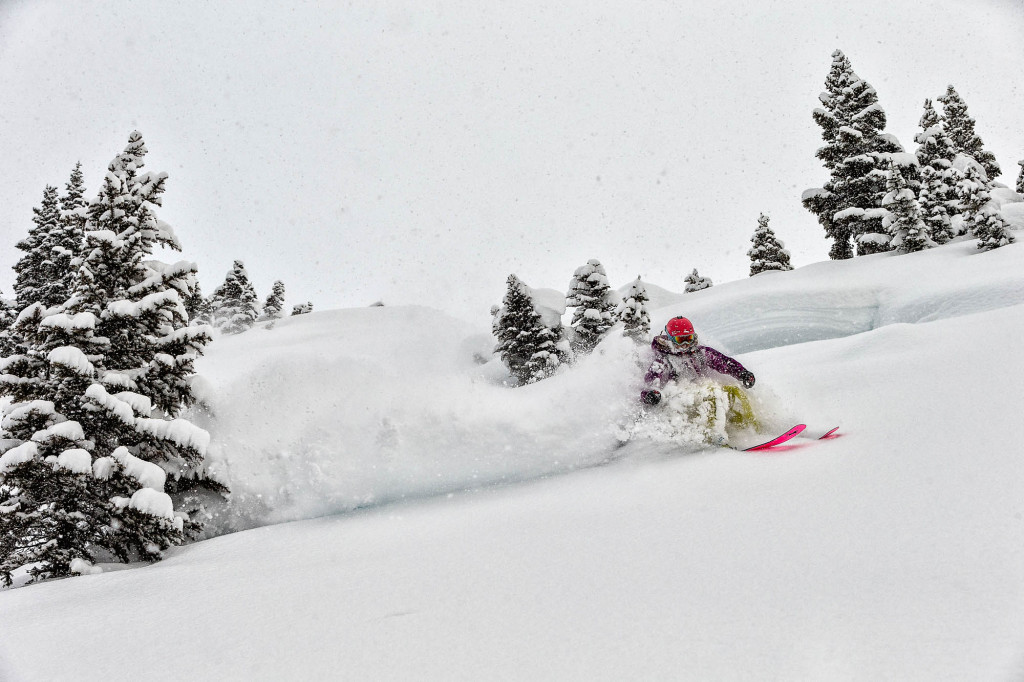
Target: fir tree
{"points": [[909, 232], [592, 298], [854, 152], [273, 307], [767, 252], [7, 315], [36, 269], [936, 193], [1020, 178], [695, 282], [196, 306], [302, 308], [980, 218], [97, 395], [934, 199], [234, 302], [959, 127], [632, 312], [530, 349], [67, 243]]}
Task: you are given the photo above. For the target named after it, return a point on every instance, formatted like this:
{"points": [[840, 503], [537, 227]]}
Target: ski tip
{"points": [[831, 433], [788, 435]]}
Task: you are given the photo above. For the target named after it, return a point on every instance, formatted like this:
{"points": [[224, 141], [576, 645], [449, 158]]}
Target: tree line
{"points": [[879, 197]]}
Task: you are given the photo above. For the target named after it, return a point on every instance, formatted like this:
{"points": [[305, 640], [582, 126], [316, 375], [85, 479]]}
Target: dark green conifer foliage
{"points": [[526, 345], [36, 269], [234, 302], [909, 232], [980, 218], [959, 126], [767, 252], [934, 198], [854, 153], [694, 282], [273, 307], [594, 306], [1020, 178], [632, 312]]}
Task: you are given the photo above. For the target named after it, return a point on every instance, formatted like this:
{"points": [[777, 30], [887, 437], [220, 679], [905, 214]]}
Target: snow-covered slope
{"points": [[894, 552]]}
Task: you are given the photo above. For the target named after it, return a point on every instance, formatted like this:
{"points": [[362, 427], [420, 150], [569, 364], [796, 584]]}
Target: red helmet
{"points": [[680, 330]]}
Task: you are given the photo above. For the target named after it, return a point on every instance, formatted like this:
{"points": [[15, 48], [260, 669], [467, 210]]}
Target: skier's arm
{"points": [[659, 373], [722, 363]]}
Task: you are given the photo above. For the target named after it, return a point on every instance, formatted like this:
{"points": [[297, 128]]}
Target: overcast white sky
{"points": [[400, 150]]}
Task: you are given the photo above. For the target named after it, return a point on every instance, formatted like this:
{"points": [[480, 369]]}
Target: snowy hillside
{"points": [[893, 552]]}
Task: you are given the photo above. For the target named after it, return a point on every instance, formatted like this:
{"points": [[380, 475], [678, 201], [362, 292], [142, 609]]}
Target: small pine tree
{"points": [[36, 270], [7, 315], [593, 300], [980, 218], [909, 232], [695, 282], [530, 349], [959, 127], [767, 252], [934, 199], [273, 307], [1020, 178], [196, 306], [302, 308], [67, 243], [632, 312], [234, 302]]}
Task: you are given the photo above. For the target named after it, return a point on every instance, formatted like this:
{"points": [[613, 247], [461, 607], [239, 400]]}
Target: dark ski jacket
{"points": [[671, 362]]}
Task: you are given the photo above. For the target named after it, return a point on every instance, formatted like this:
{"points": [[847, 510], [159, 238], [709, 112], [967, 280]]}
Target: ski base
{"points": [[779, 440], [831, 433]]}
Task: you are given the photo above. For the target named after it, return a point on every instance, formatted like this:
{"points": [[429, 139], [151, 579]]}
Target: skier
{"points": [[677, 355]]}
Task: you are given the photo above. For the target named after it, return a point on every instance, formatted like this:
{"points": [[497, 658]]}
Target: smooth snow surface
{"points": [[893, 552]]}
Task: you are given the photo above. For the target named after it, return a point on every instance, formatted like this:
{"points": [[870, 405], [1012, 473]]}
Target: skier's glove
{"points": [[746, 378], [650, 397]]}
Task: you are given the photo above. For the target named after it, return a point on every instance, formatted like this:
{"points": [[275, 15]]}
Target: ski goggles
{"points": [[685, 339]]}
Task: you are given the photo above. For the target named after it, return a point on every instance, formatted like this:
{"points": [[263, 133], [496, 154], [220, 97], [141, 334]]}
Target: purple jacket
{"points": [[671, 362]]}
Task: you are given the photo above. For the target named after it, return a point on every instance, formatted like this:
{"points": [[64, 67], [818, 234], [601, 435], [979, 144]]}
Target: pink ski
{"points": [[828, 434], [779, 440]]}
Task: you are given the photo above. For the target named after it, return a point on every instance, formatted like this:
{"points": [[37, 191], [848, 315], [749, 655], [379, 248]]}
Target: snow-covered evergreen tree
{"points": [[593, 300], [234, 302], [959, 127], [529, 348], [98, 440], [767, 252], [909, 232], [695, 282], [8, 312], [302, 308], [980, 218], [68, 240], [934, 199], [36, 270], [855, 152], [273, 307], [936, 194], [1020, 178], [632, 312]]}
